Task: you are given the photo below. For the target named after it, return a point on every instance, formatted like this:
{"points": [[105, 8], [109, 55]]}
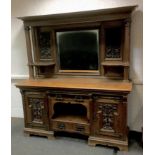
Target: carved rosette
{"points": [[112, 52], [108, 112], [37, 106], [45, 45]]}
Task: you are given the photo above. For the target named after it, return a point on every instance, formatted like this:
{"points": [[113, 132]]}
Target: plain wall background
{"points": [[19, 69]]}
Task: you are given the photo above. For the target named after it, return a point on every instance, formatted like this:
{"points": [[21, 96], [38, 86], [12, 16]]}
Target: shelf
{"points": [[42, 64], [114, 63], [71, 119]]}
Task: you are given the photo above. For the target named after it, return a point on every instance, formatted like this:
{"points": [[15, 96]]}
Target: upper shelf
{"points": [[43, 64], [76, 17], [114, 63]]}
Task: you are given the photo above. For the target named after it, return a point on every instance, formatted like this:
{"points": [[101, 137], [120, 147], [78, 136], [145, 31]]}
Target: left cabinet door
{"points": [[36, 110]]}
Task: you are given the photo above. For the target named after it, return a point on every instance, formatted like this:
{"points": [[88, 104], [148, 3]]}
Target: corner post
{"points": [[126, 47], [29, 51]]}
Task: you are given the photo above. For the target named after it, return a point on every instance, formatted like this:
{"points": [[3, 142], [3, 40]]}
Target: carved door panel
{"points": [[110, 117], [36, 110], [43, 44]]}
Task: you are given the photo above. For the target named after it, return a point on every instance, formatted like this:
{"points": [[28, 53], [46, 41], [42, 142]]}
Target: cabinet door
{"points": [[35, 108], [110, 116]]}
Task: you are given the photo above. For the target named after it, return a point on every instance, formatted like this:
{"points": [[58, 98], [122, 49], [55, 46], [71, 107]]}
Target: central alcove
{"points": [[69, 110]]}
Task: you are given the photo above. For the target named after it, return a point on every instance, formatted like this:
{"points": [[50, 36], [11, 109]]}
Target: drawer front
{"points": [[71, 127], [82, 128], [70, 97]]}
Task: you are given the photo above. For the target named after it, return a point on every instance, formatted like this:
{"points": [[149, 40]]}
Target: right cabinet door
{"points": [[110, 116]]}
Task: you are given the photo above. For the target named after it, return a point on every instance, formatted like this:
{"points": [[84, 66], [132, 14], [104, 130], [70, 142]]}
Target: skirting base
{"points": [[48, 134], [121, 144]]}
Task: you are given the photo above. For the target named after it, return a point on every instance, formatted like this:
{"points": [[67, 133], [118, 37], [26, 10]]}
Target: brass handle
{"points": [[42, 107], [116, 113], [30, 105], [61, 126]]}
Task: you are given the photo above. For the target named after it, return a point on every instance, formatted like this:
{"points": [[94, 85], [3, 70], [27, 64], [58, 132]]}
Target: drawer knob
{"points": [[116, 113], [30, 105], [61, 126], [42, 106]]}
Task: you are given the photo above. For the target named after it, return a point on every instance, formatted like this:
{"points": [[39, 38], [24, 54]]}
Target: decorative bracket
{"points": [[27, 28], [127, 22]]}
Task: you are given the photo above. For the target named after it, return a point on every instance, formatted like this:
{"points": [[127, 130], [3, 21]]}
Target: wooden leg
{"points": [[91, 143], [50, 137], [122, 145], [39, 132], [123, 148], [26, 134]]}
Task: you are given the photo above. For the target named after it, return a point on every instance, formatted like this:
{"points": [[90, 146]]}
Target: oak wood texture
{"points": [[78, 83]]}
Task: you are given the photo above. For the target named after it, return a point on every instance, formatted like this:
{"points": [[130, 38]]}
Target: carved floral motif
{"points": [[45, 45], [37, 106], [108, 111], [112, 52]]}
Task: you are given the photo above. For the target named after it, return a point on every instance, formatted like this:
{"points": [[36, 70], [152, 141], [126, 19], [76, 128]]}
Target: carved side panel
{"points": [[112, 52], [36, 111], [108, 112], [113, 39], [37, 107], [45, 45]]}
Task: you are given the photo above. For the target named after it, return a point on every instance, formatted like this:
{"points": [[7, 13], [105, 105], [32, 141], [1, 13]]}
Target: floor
{"points": [[63, 145]]}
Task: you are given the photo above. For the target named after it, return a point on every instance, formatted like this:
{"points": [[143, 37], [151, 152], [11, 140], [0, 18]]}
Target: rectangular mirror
{"points": [[78, 50]]}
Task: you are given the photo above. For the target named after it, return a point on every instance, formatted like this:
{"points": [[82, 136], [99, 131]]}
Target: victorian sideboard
{"points": [[78, 75]]}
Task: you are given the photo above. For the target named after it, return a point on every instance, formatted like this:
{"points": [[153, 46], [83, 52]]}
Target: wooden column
{"points": [[54, 51], [126, 48], [29, 51], [102, 48], [126, 72]]}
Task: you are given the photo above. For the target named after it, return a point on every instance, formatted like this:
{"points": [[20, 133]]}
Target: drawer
{"points": [[76, 98], [71, 127], [108, 99], [80, 128], [61, 126]]}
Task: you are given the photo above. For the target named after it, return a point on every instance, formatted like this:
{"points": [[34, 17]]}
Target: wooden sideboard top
{"points": [[77, 83]]}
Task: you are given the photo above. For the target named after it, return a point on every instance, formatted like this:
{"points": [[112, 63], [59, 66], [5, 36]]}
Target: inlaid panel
{"points": [[108, 112], [45, 45], [113, 38], [37, 106]]}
